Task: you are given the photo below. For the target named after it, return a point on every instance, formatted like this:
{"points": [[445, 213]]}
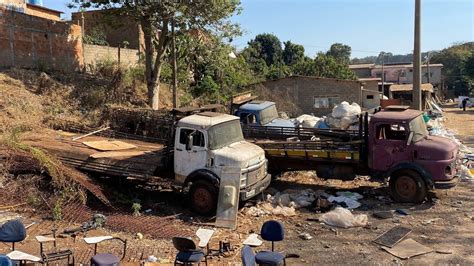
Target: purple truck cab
{"points": [[401, 148]]}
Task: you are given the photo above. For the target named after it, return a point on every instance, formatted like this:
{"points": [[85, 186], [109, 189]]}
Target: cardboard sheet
{"points": [[106, 145], [408, 248]]}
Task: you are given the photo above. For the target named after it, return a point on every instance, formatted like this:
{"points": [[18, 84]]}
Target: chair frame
{"points": [[176, 262], [124, 242], [56, 255]]}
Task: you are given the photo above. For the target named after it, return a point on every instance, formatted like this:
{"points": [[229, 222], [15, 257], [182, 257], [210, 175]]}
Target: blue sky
{"points": [[368, 26]]}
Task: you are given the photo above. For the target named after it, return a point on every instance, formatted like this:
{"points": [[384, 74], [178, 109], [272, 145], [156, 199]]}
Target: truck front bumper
{"points": [[255, 189], [447, 184]]}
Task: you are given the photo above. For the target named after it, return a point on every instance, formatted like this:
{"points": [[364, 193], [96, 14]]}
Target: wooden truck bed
{"points": [[118, 156]]}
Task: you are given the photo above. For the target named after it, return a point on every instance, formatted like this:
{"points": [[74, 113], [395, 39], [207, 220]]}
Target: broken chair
{"points": [[56, 254], [271, 231], [105, 259], [187, 252], [12, 232]]}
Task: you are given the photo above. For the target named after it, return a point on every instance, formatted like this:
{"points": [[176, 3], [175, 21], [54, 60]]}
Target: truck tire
{"points": [[203, 197], [407, 186]]}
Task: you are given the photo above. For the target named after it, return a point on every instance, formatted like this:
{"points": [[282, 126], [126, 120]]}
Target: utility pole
{"points": [[428, 67], [417, 59], [175, 66], [383, 76]]}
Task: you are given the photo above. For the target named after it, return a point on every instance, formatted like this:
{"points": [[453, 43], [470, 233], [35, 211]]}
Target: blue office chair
{"points": [[12, 231], [5, 261], [271, 231], [248, 257], [187, 252]]}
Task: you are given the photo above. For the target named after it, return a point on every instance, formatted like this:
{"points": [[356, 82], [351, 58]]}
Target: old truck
{"points": [[393, 145], [258, 113], [199, 148]]}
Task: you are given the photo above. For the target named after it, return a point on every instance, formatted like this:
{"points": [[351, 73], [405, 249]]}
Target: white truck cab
{"points": [[205, 144]]}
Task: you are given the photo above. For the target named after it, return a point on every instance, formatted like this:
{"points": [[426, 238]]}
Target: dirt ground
{"points": [[445, 224]]}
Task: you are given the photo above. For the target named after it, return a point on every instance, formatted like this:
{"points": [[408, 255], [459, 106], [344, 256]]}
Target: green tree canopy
{"points": [[340, 52], [156, 19], [293, 53], [267, 47]]}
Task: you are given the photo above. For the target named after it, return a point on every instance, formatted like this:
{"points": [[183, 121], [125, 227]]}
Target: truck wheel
{"points": [[203, 197], [407, 186]]}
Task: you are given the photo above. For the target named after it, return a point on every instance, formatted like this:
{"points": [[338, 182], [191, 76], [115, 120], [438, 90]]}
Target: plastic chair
{"points": [[247, 255], [105, 259], [187, 252], [271, 231]]}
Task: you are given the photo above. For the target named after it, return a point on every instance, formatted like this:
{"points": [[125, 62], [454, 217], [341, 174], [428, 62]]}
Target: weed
{"points": [[136, 207], [57, 210]]}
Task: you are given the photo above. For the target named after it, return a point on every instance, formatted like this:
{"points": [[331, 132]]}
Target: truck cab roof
{"points": [[256, 106], [395, 115], [205, 120]]}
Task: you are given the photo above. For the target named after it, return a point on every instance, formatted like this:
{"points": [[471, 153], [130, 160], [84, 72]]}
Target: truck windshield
{"points": [[418, 127], [268, 114], [224, 134]]}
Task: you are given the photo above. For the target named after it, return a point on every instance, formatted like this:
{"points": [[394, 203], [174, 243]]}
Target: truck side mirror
{"points": [[189, 142], [410, 138]]}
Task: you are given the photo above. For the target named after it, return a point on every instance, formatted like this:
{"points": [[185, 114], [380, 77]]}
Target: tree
{"points": [[267, 47], [340, 52], [454, 60], [293, 53], [155, 18], [329, 67]]}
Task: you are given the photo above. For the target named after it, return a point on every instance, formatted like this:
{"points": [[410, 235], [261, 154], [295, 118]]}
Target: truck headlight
{"points": [[243, 180], [448, 170]]}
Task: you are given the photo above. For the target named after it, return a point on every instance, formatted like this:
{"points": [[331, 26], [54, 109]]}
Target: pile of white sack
{"points": [[344, 116]]}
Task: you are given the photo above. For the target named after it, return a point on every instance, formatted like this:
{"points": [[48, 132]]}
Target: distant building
{"points": [[399, 74], [404, 92], [33, 8], [313, 95], [125, 33]]}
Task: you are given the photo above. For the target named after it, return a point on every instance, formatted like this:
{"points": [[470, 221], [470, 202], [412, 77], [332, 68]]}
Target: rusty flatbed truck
{"points": [[393, 145], [201, 146]]}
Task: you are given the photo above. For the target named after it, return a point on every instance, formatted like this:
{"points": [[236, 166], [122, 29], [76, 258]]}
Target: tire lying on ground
{"points": [[203, 197], [407, 186]]}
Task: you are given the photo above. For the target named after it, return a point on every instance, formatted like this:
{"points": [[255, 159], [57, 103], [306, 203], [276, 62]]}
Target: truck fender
{"points": [[415, 167], [202, 174]]}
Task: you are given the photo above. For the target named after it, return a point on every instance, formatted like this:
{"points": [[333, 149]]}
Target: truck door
{"points": [[390, 145], [187, 161]]}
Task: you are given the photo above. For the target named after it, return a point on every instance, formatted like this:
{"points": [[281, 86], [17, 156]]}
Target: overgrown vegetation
{"points": [[65, 190]]}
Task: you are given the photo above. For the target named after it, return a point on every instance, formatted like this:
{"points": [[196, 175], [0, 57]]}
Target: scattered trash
{"points": [[383, 214], [391, 237], [253, 240], [466, 174], [408, 248], [139, 236], [341, 217], [429, 221], [305, 236], [402, 212], [350, 199], [152, 258]]}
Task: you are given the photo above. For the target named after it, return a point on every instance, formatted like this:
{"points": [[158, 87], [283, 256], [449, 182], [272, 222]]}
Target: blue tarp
{"points": [[12, 231]]}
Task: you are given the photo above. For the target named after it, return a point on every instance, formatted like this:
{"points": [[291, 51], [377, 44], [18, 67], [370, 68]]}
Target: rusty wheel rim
{"points": [[202, 199], [406, 187]]}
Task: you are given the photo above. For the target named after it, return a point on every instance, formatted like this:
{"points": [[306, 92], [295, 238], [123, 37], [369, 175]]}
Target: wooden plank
{"points": [[112, 154]]}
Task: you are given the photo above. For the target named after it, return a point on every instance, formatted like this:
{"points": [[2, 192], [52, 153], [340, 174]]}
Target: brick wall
{"points": [[296, 94], [124, 29], [30, 41], [97, 53]]}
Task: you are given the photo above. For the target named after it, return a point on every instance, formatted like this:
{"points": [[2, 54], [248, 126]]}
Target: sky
{"points": [[368, 26]]}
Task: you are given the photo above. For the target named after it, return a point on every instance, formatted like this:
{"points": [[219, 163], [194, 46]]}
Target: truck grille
{"points": [[255, 175]]}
